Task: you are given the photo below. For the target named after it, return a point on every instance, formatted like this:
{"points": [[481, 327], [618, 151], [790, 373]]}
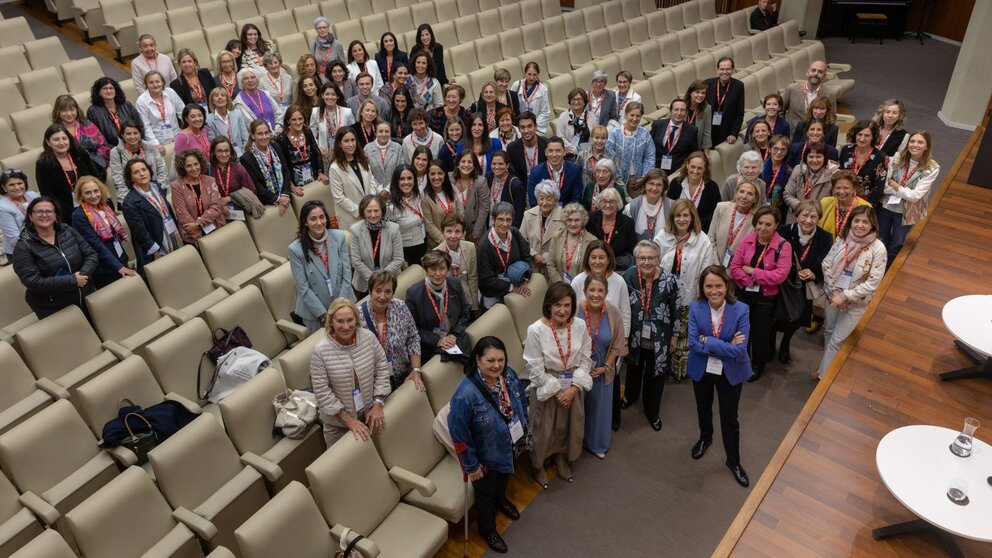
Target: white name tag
{"points": [[118, 248], [893, 200], [208, 228], [166, 126], [726, 259], [516, 430], [307, 175], [503, 277], [234, 213], [717, 118], [566, 277], [753, 288], [356, 394], [844, 281], [170, 225], [645, 332], [714, 366], [666, 162], [565, 379]]}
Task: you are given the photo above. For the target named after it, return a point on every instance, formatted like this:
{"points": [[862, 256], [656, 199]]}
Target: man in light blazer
{"points": [[799, 95], [566, 175], [674, 138], [364, 82]]}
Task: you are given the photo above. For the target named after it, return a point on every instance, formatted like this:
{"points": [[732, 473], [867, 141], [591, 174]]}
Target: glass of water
{"points": [[958, 491], [961, 446]]}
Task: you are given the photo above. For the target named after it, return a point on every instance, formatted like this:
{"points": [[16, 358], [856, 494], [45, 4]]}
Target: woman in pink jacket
{"points": [[195, 198], [760, 264]]}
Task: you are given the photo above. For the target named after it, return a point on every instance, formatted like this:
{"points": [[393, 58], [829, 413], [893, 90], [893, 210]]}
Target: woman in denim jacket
{"points": [[489, 427]]}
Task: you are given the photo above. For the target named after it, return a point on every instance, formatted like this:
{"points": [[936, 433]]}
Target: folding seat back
{"points": [[599, 44], [125, 312], [523, 309], [14, 32], [358, 9], [530, 10], [22, 396], [739, 23], [445, 32], [549, 8], [279, 291], [176, 360], [722, 31], [154, 24], [195, 41], [354, 490], [266, 7], [671, 51], [241, 9], [13, 102], [383, 6], [400, 19], [40, 87], [489, 23], [690, 13], [13, 62], [304, 16], [446, 10], [410, 443], [463, 59], [64, 348], [248, 418], [246, 308], [759, 48], [256, 20], [292, 47], [486, 5], [574, 23], [666, 84], [213, 13], [64, 470], [630, 60], [181, 285], [295, 363], [657, 23], [293, 4], [15, 314], [557, 58], [467, 7], [790, 33], [423, 12], [280, 23], [334, 10], [578, 51], [48, 544], [130, 518], [441, 379], [703, 66], [509, 17], [498, 321], [182, 19], [405, 3], [718, 173], [273, 233], [511, 43], [217, 36], [647, 6], [688, 42], [743, 57], [651, 59], [229, 254], [558, 89], [611, 65], [619, 36], [676, 18], [705, 35], [800, 61], [630, 9], [290, 520], [707, 9], [783, 73], [612, 13], [199, 469], [142, 7], [408, 277], [179, 4], [752, 98], [373, 26], [78, 74], [776, 41]]}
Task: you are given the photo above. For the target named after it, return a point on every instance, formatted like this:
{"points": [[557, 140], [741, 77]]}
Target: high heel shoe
{"points": [[541, 477], [564, 470]]}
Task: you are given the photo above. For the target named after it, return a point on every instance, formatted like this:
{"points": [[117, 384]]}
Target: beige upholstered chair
{"points": [[199, 469], [409, 276], [22, 395], [527, 310], [441, 379], [15, 314], [126, 312], [230, 256], [246, 308], [182, 285], [498, 321], [272, 232], [17, 524], [65, 349], [177, 357], [248, 417], [290, 520], [48, 544], [409, 443], [354, 490], [295, 363], [279, 291]]}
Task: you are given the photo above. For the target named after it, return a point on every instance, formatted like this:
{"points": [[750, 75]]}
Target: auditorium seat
{"points": [[248, 418], [295, 363], [129, 517], [579, 51], [657, 23], [510, 18], [599, 45], [304, 16], [199, 469], [273, 233], [194, 41], [630, 60], [676, 18], [534, 35], [15, 314], [740, 23], [611, 65], [213, 13], [690, 13], [79, 356], [373, 26], [22, 395], [591, 17], [48, 544], [461, 59], [527, 310], [131, 379], [241, 9], [40, 87], [497, 321], [78, 74], [55, 476], [266, 7], [218, 35], [279, 291], [349, 30], [181, 284], [424, 12], [401, 19], [15, 32], [612, 13], [125, 312], [334, 10], [231, 257], [13, 62], [406, 278], [154, 24], [292, 47], [290, 520], [182, 19], [354, 490], [247, 309], [441, 379], [487, 50], [178, 362], [619, 37]]}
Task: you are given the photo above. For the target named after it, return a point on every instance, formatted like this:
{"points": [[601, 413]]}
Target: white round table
{"points": [[917, 467], [969, 320]]}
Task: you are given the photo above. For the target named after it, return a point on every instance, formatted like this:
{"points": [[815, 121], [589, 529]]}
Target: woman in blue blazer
{"points": [[320, 265], [718, 333], [153, 223]]}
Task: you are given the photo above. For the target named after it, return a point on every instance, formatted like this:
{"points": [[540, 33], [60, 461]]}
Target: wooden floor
{"points": [[821, 494]]}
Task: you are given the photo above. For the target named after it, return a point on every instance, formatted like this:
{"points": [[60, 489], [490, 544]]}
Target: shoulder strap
{"points": [[489, 396], [368, 318]]}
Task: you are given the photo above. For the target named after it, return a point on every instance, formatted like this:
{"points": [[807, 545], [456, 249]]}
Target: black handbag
{"points": [[791, 299], [139, 442], [223, 344]]}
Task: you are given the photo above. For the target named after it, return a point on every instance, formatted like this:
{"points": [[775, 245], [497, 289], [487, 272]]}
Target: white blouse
{"points": [[163, 130], [545, 368], [617, 293], [696, 255], [537, 103]]}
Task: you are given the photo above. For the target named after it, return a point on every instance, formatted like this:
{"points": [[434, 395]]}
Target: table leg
{"points": [[919, 526], [950, 547], [983, 366]]}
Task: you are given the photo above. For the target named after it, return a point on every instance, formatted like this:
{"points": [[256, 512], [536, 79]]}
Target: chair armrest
{"points": [[117, 349], [296, 330], [175, 315], [268, 469], [199, 525], [837, 67], [51, 388], [221, 552], [39, 507], [408, 480], [276, 259], [228, 286], [366, 546], [123, 456], [190, 406]]}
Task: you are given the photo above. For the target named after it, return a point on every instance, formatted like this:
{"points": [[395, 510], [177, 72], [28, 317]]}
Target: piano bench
{"points": [[865, 21]]}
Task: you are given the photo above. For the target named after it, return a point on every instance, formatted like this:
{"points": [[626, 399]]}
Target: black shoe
{"points": [[509, 510], [700, 448], [740, 475], [624, 403], [656, 424], [756, 372], [784, 356], [615, 426], [496, 543]]}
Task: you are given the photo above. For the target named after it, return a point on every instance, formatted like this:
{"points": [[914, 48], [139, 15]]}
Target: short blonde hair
{"points": [[210, 98], [86, 179], [597, 130], [575, 208], [336, 305], [611, 194]]}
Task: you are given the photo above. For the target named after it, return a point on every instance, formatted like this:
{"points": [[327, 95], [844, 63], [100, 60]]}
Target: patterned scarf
{"points": [[273, 174], [106, 228]]}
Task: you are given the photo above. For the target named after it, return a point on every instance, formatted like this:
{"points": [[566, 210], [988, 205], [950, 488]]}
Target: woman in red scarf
{"points": [[99, 225]]}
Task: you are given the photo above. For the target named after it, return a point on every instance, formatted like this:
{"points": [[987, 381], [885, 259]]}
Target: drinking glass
{"points": [[961, 446], [958, 491]]}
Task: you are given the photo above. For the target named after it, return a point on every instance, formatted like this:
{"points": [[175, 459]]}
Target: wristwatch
{"points": [[417, 369], [378, 400]]}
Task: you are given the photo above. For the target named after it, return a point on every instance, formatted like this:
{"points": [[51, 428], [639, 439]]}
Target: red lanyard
{"points": [[906, 176], [228, 86], [692, 117], [140, 153], [857, 166], [570, 256], [607, 236], [195, 87], [495, 242], [446, 208], [679, 248], [533, 92], [802, 258], [324, 258], [277, 84], [806, 91], [651, 223], [441, 312], [389, 67], [531, 163], [840, 223], [383, 153], [671, 141], [375, 249], [771, 183], [884, 139], [331, 130], [161, 108], [761, 256], [257, 102], [117, 120], [199, 196], [698, 192], [303, 150], [225, 185], [491, 117], [810, 182], [847, 262], [719, 326], [563, 354], [732, 235], [198, 139], [720, 100], [497, 190], [22, 208], [645, 296], [71, 182], [365, 134], [153, 198], [594, 333], [415, 211], [561, 175], [325, 59]]}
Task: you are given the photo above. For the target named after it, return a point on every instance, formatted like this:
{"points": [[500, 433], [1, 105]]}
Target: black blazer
{"points": [[126, 112], [732, 108], [892, 142], [145, 223], [52, 180], [707, 200], [254, 170], [829, 135], [207, 82], [313, 150], [761, 21], [437, 55], [399, 57], [480, 106], [623, 240], [515, 193], [518, 162], [688, 141], [426, 319], [822, 242], [490, 267]]}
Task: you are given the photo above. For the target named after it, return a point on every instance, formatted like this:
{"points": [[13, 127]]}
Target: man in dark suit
{"points": [[528, 151], [726, 96], [674, 139], [565, 174], [764, 16]]}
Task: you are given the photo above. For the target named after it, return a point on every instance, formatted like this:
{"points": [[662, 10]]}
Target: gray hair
{"points": [[749, 156], [612, 194], [575, 207], [606, 164], [501, 208], [650, 245], [270, 56], [599, 74], [320, 19], [244, 72], [546, 187]]}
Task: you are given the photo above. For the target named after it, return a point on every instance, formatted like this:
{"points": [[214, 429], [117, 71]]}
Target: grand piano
{"points": [[837, 15]]}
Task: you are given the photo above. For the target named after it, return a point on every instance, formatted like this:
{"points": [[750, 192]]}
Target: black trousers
{"points": [[642, 374], [788, 329], [490, 493], [412, 254], [761, 311], [729, 397]]}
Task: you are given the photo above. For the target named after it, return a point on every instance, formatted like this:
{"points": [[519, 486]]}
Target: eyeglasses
{"points": [[43, 212], [779, 149], [646, 258]]}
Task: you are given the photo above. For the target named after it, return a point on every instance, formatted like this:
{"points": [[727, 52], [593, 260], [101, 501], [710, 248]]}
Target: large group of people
{"points": [[655, 271]]}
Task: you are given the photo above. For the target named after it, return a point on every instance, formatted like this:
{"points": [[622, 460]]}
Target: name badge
{"points": [[170, 225], [208, 228], [440, 332], [118, 248], [166, 126], [666, 162], [328, 281], [307, 174], [714, 366], [503, 277], [566, 277], [755, 288], [844, 281], [893, 200], [516, 430], [356, 394], [233, 213], [376, 267], [645, 332], [565, 379], [726, 258], [717, 118]]}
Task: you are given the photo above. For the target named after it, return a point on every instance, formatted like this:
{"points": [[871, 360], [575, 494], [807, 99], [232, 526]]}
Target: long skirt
{"points": [[681, 353], [599, 415], [556, 430]]}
